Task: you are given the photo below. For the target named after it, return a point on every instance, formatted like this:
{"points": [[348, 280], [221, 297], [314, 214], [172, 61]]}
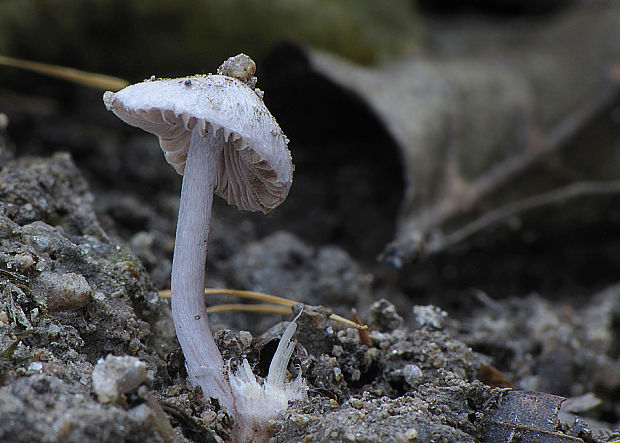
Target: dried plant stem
{"points": [[556, 196], [460, 199], [92, 79], [264, 308]]}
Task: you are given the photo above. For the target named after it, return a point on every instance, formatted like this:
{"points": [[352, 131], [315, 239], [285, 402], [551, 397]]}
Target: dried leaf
{"points": [[484, 135], [526, 416]]}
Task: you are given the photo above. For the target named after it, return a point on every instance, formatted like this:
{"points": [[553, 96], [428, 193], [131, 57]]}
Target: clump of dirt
{"points": [[70, 296], [551, 346], [405, 383]]}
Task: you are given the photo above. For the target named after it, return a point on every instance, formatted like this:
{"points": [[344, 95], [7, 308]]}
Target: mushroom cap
{"points": [[255, 171]]}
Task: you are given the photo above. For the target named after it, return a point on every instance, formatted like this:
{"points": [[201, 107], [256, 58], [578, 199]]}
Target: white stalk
{"points": [[202, 358]]}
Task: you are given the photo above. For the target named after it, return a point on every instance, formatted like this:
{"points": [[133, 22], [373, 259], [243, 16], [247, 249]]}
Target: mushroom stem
{"points": [[202, 358]]}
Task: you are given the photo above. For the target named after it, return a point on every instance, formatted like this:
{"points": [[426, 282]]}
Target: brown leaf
{"points": [[483, 133], [530, 416], [491, 376]]}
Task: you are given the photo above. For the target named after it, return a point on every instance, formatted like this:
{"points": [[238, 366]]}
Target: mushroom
{"points": [[216, 131]]}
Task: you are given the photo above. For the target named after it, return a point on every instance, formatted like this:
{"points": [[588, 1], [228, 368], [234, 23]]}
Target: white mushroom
{"points": [[216, 131]]}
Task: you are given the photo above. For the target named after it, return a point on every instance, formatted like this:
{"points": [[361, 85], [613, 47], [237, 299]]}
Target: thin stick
{"points": [[454, 203], [553, 197], [100, 81]]}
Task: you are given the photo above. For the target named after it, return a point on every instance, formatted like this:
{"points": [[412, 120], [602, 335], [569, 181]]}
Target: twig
{"points": [[556, 196], [422, 241], [505, 171]]}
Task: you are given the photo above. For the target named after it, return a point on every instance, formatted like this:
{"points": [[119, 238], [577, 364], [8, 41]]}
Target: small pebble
{"points": [[208, 417], [245, 339], [429, 316], [35, 366], [116, 376], [4, 121], [54, 330], [63, 292], [300, 420], [240, 67], [34, 315], [21, 261], [337, 374], [383, 316], [411, 434], [412, 374]]}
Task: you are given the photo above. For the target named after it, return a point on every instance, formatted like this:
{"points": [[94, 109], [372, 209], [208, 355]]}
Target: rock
{"points": [[48, 190], [54, 260], [429, 316], [383, 316], [47, 408], [68, 291], [116, 376]]}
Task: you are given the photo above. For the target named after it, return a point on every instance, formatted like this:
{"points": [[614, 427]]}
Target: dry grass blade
{"points": [[91, 79], [253, 296], [346, 321], [244, 294], [265, 308]]}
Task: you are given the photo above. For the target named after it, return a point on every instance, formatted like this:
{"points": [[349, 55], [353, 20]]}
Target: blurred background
{"points": [[435, 141], [133, 39]]}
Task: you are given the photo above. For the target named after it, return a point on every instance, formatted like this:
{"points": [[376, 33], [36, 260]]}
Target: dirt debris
{"points": [[415, 374]]}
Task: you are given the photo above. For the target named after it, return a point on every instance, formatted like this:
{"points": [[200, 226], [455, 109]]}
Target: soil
{"points": [[85, 199]]}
